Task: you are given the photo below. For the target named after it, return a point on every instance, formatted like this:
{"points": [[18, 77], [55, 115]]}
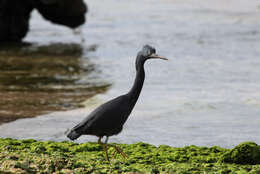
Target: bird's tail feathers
{"points": [[73, 134]]}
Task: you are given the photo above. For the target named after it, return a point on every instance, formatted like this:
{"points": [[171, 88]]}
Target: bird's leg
{"points": [[99, 140], [104, 146], [117, 149]]}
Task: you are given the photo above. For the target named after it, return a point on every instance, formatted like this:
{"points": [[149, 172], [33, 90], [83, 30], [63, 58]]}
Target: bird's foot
{"points": [[106, 146], [119, 150]]}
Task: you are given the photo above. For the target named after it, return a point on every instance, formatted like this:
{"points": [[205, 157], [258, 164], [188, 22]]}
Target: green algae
{"points": [[30, 156], [244, 153]]}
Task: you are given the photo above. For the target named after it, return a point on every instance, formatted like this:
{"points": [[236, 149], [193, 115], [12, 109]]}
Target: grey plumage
{"points": [[100, 122]]}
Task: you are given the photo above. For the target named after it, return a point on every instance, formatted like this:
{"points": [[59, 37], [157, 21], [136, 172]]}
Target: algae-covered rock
{"points": [[31, 156], [244, 153]]}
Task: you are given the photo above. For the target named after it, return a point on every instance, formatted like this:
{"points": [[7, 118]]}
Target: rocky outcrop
{"points": [[15, 15], [14, 19], [65, 12]]}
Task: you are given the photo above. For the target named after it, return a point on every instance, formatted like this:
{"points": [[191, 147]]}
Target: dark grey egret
{"points": [[109, 118]]}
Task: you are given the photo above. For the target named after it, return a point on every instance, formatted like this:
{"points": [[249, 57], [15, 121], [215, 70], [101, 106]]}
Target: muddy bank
{"points": [[30, 156], [37, 79]]}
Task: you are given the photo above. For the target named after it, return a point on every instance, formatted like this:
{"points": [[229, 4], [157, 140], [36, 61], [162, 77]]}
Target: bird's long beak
{"points": [[155, 56]]}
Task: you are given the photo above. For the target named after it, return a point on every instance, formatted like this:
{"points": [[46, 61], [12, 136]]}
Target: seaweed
{"points": [[31, 156]]}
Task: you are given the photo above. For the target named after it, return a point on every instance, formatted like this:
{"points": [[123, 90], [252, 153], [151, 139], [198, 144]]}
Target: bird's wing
{"points": [[111, 110]]}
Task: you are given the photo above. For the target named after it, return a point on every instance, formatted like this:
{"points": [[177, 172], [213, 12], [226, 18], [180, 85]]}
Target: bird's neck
{"points": [[138, 84]]}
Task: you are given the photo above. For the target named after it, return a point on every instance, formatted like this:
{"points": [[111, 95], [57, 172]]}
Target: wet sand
{"points": [[36, 80]]}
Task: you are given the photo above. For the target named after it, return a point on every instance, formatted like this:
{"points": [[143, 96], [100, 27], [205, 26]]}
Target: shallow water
{"points": [[208, 93]]}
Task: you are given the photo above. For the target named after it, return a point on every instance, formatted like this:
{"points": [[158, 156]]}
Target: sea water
{"points": [[207, 94]]}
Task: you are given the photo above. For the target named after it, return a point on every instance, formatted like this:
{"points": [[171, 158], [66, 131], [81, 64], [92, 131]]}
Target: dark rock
{"points": [[15, 15], [244, 153], [14, 19], [65, 12]]}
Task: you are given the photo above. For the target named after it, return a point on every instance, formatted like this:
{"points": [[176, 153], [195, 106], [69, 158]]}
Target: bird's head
{"points": [[146, 53]]}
